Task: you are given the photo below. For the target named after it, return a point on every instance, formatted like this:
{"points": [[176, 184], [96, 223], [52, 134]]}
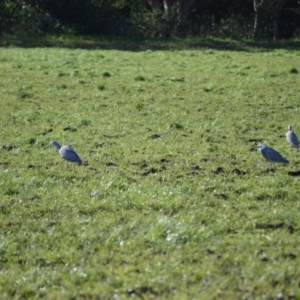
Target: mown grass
{"points": [[173, 201]]}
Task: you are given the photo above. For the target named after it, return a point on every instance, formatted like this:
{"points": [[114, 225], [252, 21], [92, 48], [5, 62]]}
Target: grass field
{"points": [[173, 201]]}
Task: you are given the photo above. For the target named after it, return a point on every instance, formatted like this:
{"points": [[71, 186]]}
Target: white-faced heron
{"points": [[67, 153], [292, 138], [271, 154]]}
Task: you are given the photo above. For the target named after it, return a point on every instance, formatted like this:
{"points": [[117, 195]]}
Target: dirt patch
{"points": [[238, 172], [219, 170], [221, 196], [110, 164], [150, 171]]}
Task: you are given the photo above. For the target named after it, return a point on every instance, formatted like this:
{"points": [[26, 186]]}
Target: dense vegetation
{"points": [[173, 200], [154, 18]]}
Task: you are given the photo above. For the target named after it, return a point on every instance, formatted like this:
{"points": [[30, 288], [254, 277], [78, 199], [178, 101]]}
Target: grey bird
{"points": [[292, 138], [271, 154], [66, 152]]}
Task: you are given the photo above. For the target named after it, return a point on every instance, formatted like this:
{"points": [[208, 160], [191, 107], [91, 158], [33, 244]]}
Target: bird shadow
{"points": [[294, 173]]}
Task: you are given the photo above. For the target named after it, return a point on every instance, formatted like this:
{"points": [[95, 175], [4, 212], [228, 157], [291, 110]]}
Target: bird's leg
{"points": [[272, 169]]}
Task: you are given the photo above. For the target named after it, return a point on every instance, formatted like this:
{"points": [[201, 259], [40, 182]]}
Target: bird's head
{"points": [[261, 146], [290, 128], [56, 144]]}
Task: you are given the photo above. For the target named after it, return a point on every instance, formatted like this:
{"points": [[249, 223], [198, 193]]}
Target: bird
{"points": [[271, 154], [67, 153], [291, 137]]}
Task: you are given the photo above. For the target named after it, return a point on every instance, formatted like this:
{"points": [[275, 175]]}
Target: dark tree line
{"points": [[154, 18]]}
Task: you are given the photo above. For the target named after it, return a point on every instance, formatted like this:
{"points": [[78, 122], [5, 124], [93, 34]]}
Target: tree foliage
{"points": [[230, 18]]}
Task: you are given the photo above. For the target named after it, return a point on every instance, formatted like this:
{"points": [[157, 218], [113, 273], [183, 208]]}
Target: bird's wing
{"points": [[294, 139], [69, 154], [273, 156], [265, 153]]}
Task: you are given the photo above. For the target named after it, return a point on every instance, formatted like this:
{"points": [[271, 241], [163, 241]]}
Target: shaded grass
{"points": [[136, 45], [172, 201]]}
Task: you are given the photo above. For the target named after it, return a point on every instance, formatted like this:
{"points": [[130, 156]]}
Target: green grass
{"points": [[172, 201]]}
